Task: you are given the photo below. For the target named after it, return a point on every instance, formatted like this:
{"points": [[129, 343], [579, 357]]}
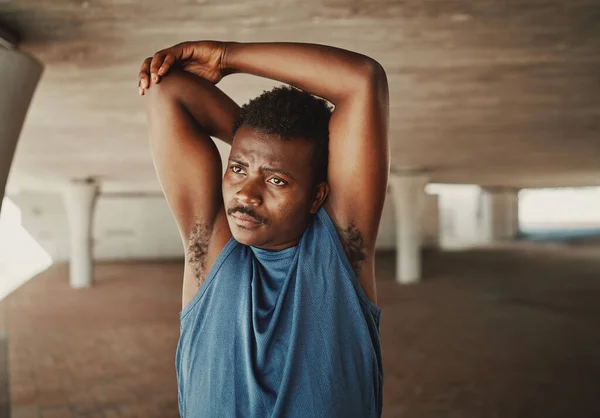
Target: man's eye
{"points": [[234, 168], [277, 182]]}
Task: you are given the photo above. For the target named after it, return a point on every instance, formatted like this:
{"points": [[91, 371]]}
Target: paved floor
{"points": [[503, 332]]}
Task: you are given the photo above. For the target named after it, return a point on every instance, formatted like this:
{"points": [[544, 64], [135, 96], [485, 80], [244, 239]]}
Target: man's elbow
{"points": [[374, 79], [374, 72], [166, 89]]}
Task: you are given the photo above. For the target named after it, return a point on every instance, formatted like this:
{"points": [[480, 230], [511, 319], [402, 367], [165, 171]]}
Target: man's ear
{"points": [[322, 191]]}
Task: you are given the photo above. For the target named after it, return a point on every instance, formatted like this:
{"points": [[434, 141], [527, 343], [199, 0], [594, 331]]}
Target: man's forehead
{"points": [[257, 150], [268, 149]]}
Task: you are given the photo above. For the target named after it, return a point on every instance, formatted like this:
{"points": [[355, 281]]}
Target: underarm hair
{"points": [[197, 250], [354, 245]]}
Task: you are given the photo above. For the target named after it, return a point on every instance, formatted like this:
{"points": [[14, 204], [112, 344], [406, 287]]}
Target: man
{"points": [[279, 311]]}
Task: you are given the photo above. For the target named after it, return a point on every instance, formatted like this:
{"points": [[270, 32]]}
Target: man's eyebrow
{"points": [[235, 160], [267, 169], [276, 170]]}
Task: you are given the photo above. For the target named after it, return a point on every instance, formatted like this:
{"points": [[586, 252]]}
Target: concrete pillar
{"points": [[19, 76], [499, 214], [409, 198], [80, 199]]}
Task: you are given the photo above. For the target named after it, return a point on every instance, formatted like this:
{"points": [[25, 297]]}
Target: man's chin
{"points": [[245, 236]]}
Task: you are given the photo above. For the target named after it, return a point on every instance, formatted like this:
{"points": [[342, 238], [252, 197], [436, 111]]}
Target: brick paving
{"points": [[498, 332]]}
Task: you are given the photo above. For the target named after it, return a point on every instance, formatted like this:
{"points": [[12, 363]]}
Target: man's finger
{"points": [[157, 61], [166, 65], [144, 74], [145, 68]]}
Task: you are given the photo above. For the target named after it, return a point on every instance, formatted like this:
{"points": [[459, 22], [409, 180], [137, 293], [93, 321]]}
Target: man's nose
{"points": [[249, 194]]}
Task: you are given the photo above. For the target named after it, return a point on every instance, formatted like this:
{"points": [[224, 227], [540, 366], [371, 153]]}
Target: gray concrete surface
{"points": [[487, 92]]}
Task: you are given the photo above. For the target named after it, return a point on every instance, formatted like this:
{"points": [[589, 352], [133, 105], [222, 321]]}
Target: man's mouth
{"points": [[245, 221], [243, 217]]}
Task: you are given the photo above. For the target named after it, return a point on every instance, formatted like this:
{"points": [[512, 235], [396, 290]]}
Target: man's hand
{"points": [[203, 59]]}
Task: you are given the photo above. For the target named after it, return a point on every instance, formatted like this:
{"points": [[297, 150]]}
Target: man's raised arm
{"points": [[358, 132], [184, 111]]}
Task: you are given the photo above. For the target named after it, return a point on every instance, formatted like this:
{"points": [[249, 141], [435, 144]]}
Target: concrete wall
{"points": [[125, 227], [499, 214], [135, 227], [472, 216], [460, 213], [431, 221], [43, 215], [386, 238], [142, 227]]}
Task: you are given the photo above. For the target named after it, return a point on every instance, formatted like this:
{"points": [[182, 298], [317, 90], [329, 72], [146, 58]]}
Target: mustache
{"points": [[246, 211]]}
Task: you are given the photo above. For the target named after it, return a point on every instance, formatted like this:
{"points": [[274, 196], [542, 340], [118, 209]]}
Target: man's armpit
{"points": [[354, 246], [197, 250]]}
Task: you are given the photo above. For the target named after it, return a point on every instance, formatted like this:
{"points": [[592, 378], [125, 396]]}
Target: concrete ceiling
{"points": [[487, 92]]}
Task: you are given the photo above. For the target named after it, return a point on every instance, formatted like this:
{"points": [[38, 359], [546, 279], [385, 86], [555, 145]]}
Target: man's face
{"points": [[269, 182]]}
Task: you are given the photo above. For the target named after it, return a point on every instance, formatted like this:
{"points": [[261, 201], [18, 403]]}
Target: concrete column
{"points": [[499, 214], [80, 199], [19, 77], [409, 198]]}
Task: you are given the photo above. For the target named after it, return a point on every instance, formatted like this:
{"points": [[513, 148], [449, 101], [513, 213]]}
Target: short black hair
{"points": [[291, 113]]}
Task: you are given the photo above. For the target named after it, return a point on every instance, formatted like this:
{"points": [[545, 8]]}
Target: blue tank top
{"points": [[285, 333]]}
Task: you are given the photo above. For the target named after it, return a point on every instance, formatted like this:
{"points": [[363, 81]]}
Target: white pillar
{"points": [[80, 199], [409, 198], [499, 214], [19, 76]]}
